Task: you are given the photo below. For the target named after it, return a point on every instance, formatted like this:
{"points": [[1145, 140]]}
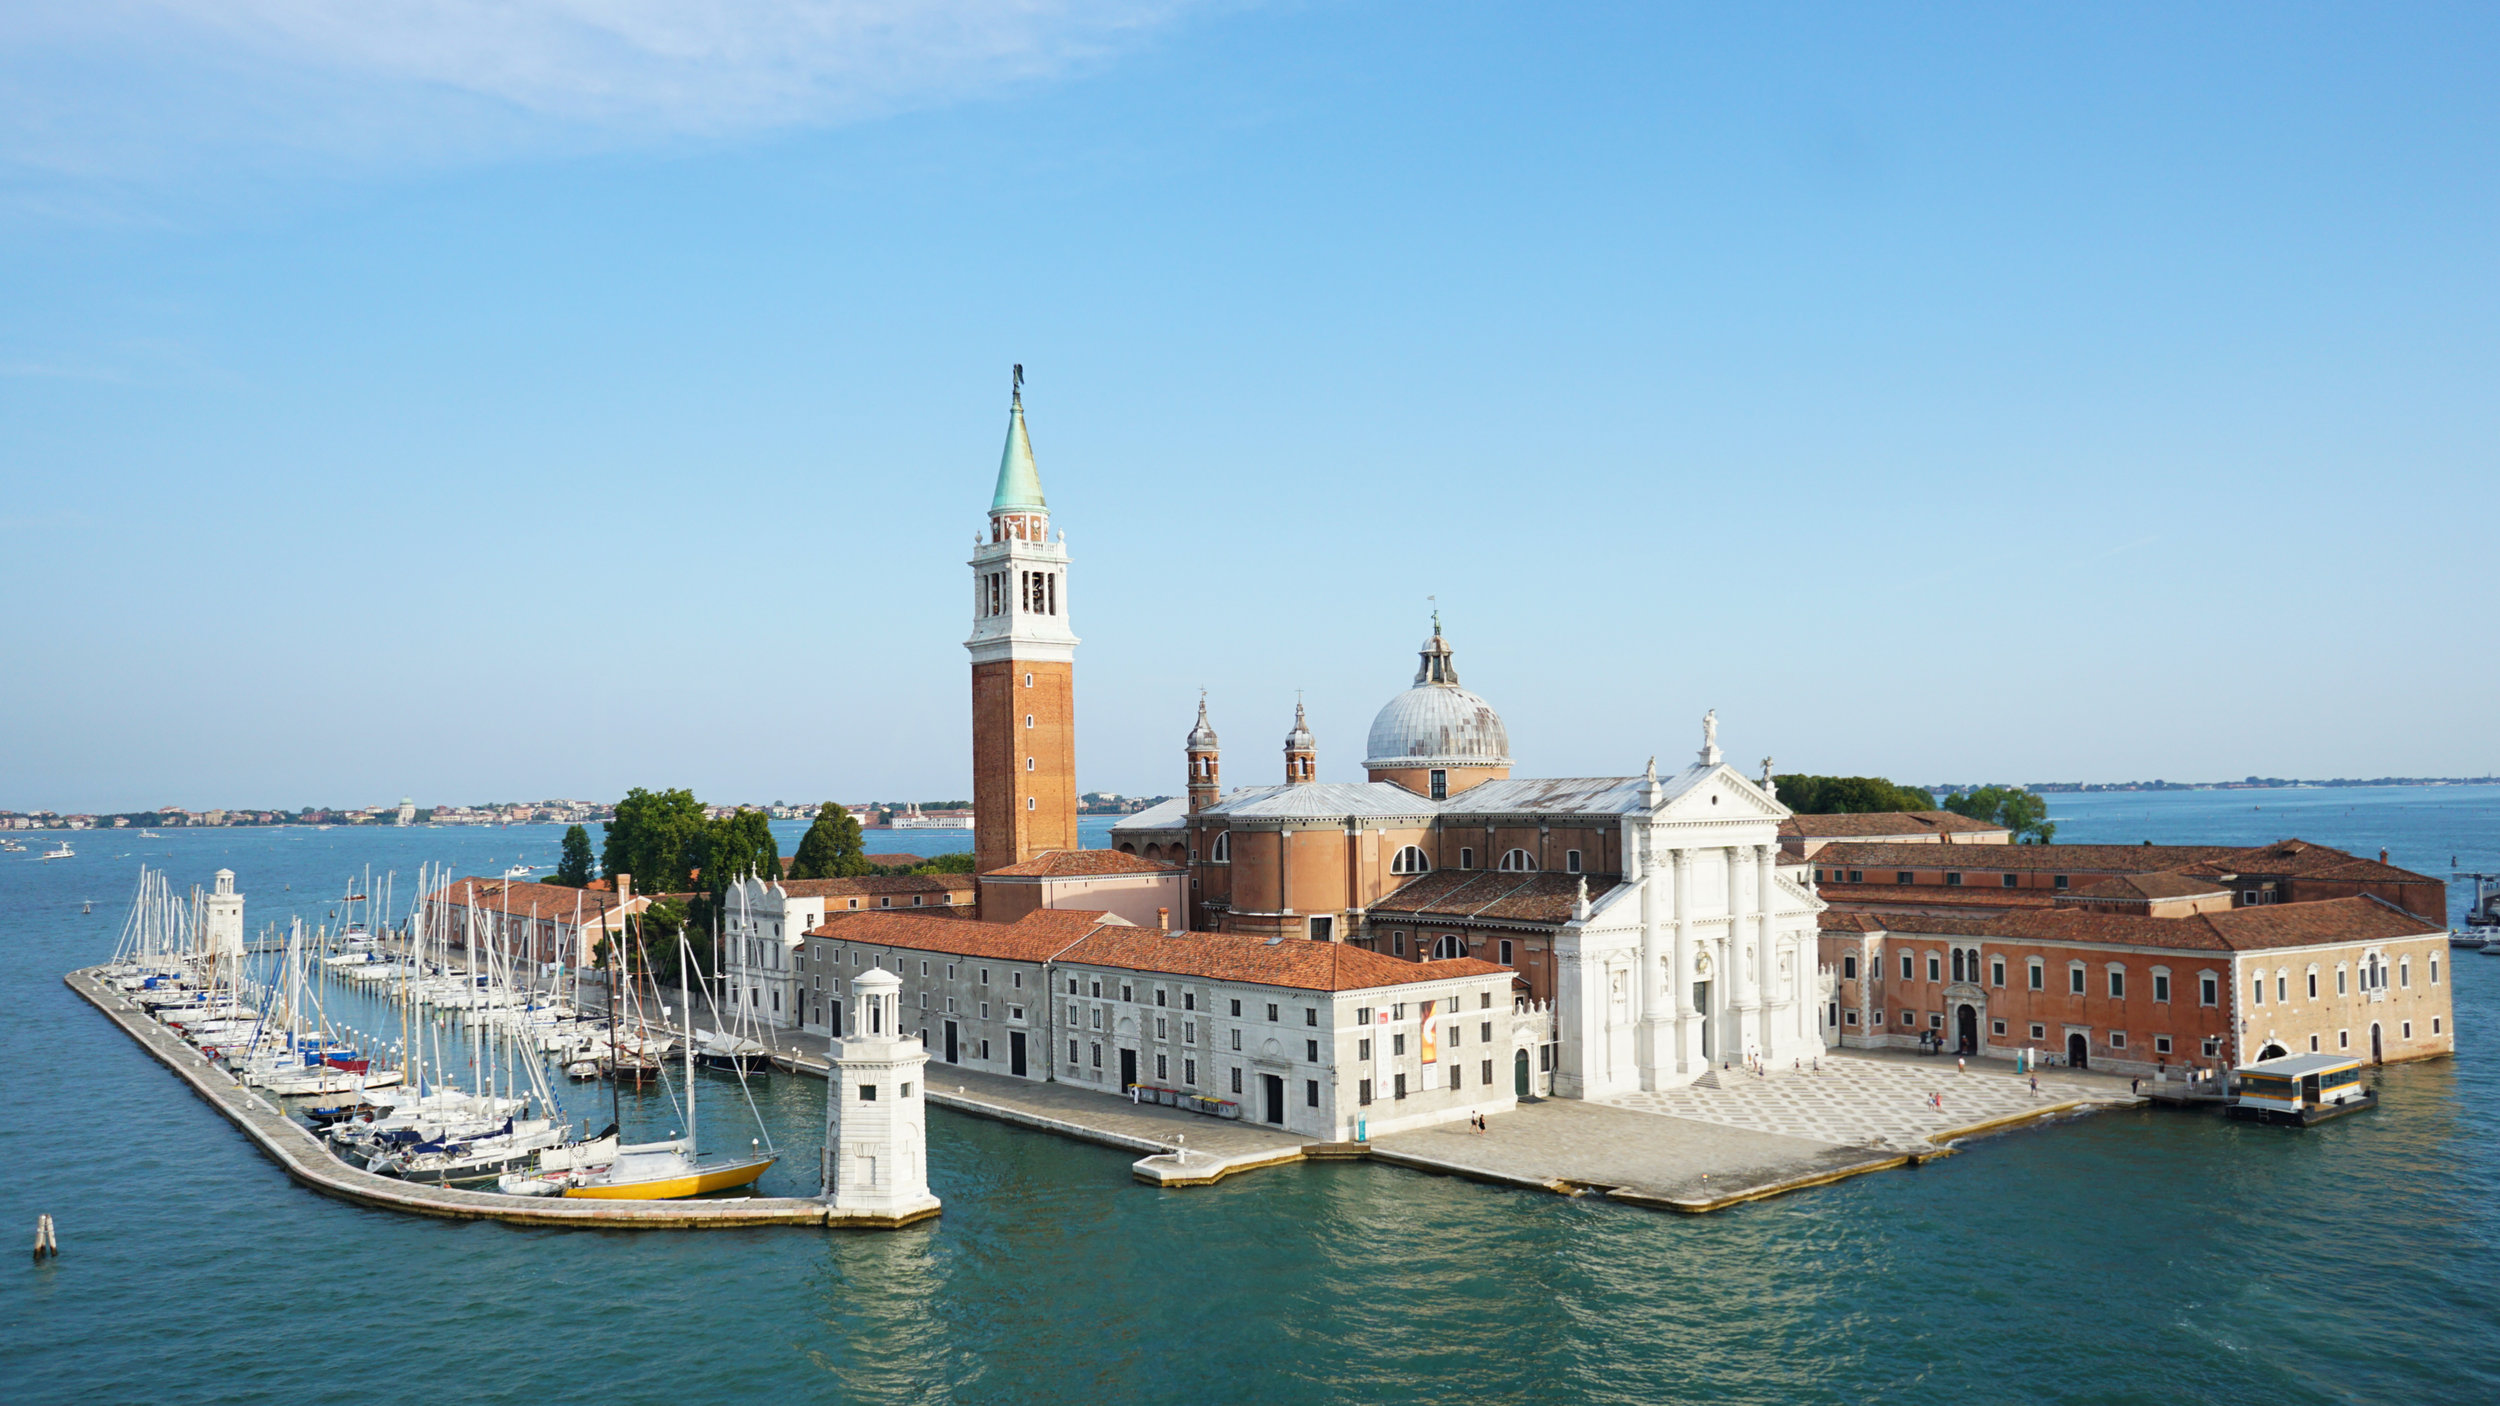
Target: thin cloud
{"points": [[97, 87]]}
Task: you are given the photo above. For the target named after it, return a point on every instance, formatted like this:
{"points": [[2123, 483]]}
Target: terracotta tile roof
{"points": [[881, 885], [1948, 895], [1290, 962], [2266, 926], [2299, 859], [2151, 887], [898, 861], [1489, 895], [1103, 940], [522, 897], [1833, 920], [1080, 863], [1036, 937], [1877, 824], [2029, 859]]}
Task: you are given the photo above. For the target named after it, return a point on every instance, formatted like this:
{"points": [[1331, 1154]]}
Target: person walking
{"points": [[1961, 1065], [2035, 1084]]}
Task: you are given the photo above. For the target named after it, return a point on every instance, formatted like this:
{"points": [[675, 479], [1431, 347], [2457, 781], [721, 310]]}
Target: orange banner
{"points": [[1431, 1047]]}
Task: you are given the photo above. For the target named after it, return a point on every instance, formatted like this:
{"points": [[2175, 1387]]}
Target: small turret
{"points": [[1204, 780], [1301, 750]]}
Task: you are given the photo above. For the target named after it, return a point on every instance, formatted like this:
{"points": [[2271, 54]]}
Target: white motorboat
{"points": [[61, 851]]}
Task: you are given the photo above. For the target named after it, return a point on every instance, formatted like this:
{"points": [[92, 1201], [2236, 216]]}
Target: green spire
{"points": [[1019, 483]]}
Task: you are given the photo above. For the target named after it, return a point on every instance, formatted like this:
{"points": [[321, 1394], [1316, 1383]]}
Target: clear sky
{"points": [[480, 401]]}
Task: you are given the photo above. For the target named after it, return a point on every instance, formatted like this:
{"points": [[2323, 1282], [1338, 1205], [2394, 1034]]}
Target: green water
{"points": [[2125, 1257]]}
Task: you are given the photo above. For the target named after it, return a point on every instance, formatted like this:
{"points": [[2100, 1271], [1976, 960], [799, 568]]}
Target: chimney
{"points": [[1163, 920], [2382, 856], [624, 888]]}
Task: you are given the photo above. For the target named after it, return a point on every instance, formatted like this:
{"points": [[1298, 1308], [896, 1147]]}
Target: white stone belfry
{"points": [[224, 921], [876, 1123]]}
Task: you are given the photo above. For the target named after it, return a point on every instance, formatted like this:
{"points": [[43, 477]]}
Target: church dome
{"points": [[1436, 723]]}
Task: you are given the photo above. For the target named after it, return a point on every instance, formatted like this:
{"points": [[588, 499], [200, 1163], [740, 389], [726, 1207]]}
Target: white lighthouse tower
{"points": [[223, 938], [876, 1123]]}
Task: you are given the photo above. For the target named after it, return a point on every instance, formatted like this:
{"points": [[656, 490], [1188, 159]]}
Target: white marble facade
{"points": [[1705, 956]]}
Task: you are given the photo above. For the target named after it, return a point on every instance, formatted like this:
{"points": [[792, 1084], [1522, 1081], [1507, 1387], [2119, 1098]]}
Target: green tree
{"points": [[959, 862], [833, 848], [737, 847], [573, 867], [1849, 795], [658, 837], [2016, 809]]}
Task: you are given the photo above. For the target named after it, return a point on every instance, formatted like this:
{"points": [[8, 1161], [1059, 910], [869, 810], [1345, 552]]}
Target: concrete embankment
{"points": [[303, 1156]]}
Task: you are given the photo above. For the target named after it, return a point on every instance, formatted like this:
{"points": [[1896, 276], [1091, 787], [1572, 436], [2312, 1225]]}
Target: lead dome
{"points": [[1436, 723]]}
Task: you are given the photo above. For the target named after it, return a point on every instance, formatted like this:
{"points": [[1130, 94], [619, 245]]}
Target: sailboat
{"points": [[668, 1171]]}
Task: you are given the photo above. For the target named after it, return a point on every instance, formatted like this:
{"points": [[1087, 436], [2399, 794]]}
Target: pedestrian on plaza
{"points": [[2135, 1086], [2035, 1085], [1960, 1065]]}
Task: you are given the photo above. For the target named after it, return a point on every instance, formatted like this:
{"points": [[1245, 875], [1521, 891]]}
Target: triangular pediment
{"points": [[1722, 793]]}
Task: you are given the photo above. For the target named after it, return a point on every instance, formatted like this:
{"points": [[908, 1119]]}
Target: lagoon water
{"points": [[2126, 1257]]}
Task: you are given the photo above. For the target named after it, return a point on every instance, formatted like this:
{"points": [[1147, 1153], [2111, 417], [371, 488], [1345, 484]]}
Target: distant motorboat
{"points": [[519, 871], [61, 851], [150, 835]]}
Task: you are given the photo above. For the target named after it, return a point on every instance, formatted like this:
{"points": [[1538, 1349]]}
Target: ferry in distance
{"points": [[61, 851]]}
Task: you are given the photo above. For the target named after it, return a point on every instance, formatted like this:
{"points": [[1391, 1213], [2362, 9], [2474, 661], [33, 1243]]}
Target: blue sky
{"points": [[481, 402]]}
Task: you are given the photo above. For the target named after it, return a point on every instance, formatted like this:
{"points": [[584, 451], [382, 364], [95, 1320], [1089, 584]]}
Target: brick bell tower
{"points": [[1023, 669]]}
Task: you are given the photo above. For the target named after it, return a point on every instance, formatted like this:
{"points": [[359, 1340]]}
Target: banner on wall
{"points": [[1430, 1046]]}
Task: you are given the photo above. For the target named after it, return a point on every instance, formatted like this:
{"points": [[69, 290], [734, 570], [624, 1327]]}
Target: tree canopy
{"points": [[658, 837], [736, 847], [958, 862], [1849, 795], [2012, 807], [573, 868], [832, 848]]}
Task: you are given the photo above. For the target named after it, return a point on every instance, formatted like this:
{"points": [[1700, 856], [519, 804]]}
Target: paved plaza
{"points": [[1855, 1101]]}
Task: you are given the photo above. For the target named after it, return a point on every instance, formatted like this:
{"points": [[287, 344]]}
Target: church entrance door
{"points": [[1968, 1021], [950, 1044], [1274, 1086], [1128, 1070], [1701, 1003], [1519, 1073], [2078, 1052], [1015, 1053]]}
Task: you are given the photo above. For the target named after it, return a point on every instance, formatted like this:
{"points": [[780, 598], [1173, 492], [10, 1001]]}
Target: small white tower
{"points": [[876, 1120], [224, 937]]}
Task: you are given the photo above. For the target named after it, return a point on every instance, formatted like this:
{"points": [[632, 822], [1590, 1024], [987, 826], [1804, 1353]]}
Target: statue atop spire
{"points": [[1770, 787], [1019, 482], [1710, 738]]}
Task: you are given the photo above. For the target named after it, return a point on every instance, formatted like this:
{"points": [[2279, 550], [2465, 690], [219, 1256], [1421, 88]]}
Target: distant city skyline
{"points": [[1960, 393]]}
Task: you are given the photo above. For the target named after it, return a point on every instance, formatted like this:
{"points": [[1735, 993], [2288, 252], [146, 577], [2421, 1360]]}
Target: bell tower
{"points": [[1205, 781], [1301, 750], [1023, 668]]}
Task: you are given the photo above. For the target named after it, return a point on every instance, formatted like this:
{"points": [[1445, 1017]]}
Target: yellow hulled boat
{"points": [[665, 1171]]}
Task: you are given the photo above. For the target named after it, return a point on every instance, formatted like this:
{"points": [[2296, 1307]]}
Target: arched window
{"points": [[1223, 852], [1447, 946], [1128, 847], [1517, 861], [1410, 860]]}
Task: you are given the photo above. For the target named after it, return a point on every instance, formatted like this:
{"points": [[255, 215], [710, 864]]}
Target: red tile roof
{"points": [[1947, 895], [1103, 940], [524, 898], [1080, 863], [2271, 925], [1490, 896], [2153, 887], [872, 885], [2030, 859]]}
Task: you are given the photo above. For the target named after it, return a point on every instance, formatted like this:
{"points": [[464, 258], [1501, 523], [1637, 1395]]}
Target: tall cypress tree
{"points": [[574, 867]]}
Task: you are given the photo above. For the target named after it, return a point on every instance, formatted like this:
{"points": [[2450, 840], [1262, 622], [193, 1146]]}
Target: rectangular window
{"points": [[1851, 1017], [2208, 991], [1127, 992], [1310, 1051], [1571, 861], [1904, 877], [1397, 1087], [1857, 876], [985, 1049], [2213, 1046], [1363, 1049], [1189, 1072], [1362, 1015], [1458, 1072], [1236, 1008], [1159, 996], [1997, 1028], [1097, 1049], [2161, 1044], [1236, 1039], [1189, 1000], [1485, 1074], [2074, 981], [1441, 791], [1996, 971], [1506, 959], [1909, 967], [2257, 992], [2011, 881], [2059, 880], [1189, 1032], [1310, 1015], [2434, 975], [1073, 1055], [1162, 1031], [2118, 1039], [1466, 860], [1484, 1031], [1935, 1020], [1310, 1093], [1163, 1068], [2339, 981], [1397, 1042], [2118, 986], [2404, 976], [1849, 966], [1953, 879], [1236, 1081], [1363, 1093], [2313, 986], [985, 1010], [2039, 1031], [868, 1093], [1935, 967], [2282, 987], [1271, 1012]]}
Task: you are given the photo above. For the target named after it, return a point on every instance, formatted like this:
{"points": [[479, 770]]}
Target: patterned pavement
{"points": [[1857, 1102]]}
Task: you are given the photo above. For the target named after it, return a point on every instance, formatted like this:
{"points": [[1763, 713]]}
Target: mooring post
{"points": [[47, 1243]]}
